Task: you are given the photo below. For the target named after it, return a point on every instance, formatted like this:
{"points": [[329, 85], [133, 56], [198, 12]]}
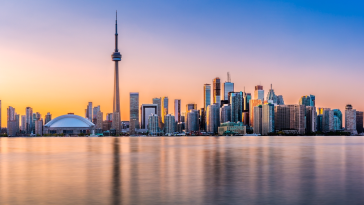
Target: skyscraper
{"points": [[339, 116], [202, 119], [271, 95], [212, 118], [153, 127], [217, 91], [39, 127], [257, 125], [146, 110], [247, 99], [307, 100], [29, 119], [236, 101], [267, 118], [158, 101], [164, 107], [206, 95], [280, 100], [228, 87], [169, 124], [116, 57], [225, 113], [191, 107], [259, 93], [282, 117], [252, 104], [177, 110], [48, 118], [23, 123], [311, 116], [134, 112], [192, 123], [95, 110], [88, 111], [350, 119], [359, 121]]}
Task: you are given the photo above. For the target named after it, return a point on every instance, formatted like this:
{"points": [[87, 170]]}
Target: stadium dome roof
{"points": [[69, 120]]}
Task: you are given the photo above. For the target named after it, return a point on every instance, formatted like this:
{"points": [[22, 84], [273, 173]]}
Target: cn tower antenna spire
{"points": [[116, 32]]}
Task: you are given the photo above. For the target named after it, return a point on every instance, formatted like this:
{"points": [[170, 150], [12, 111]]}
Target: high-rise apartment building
{"points": [[164, 109], [158, 101], [206, 95], [216, 91], [99, 120], [192, 122], [236, 101], [202, 119], [311, 116], [259, 93], [153, 127], [134, 112], [48, 118], [327, 119], [225, 113], [253, 103], [267, 118], [350, 119], [282, 117], [212, 118], [29, 119], [177, 110], [290, 117], [88, 111], [23, 123], [39, 127], [95, 110], [257, 125], [359, 122], [169, 124], [147, 110], [11, 113]]}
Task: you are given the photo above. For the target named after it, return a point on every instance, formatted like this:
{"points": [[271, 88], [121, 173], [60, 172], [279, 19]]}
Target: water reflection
{"points": [[186, 170]]}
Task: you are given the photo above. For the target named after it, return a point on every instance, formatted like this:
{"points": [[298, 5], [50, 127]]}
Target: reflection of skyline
{"points": [[186, 170]]}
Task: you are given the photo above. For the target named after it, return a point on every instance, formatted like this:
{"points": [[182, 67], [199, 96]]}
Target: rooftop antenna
{"points": [[228, 77]]}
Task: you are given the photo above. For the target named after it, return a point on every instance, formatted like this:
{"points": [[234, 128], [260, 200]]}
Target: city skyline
{"points": [[58, 83]]}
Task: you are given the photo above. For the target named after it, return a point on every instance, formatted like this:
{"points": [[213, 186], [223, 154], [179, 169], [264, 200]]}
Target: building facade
{"points": [[146, 110], [267, 119], [350, 119], [236, 101], [359, 122], [212, 118], [177, 110], [225, 113], [134, 112], [257, 125], [259, 93]]}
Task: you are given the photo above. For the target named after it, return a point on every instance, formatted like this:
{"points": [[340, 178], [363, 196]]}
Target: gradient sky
{"points": [[55, 56]]}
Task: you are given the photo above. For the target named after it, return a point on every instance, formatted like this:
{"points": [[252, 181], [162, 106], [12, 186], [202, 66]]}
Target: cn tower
{"points": [[116, 57]]}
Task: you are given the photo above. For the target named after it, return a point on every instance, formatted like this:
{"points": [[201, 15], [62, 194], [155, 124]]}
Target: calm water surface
{"points": [[182, 170]]}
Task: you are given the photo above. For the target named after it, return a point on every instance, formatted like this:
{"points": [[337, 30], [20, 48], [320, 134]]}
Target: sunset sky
{"points": [[55, 56]]}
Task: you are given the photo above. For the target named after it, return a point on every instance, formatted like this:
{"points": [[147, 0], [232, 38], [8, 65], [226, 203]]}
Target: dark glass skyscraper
{"points": [[217, 91]]}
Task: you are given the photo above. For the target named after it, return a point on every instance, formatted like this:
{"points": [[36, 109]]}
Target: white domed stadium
{"points": [[69, 124]]}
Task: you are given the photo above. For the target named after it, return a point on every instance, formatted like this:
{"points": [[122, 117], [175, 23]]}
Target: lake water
{"points": [[182, 170]]}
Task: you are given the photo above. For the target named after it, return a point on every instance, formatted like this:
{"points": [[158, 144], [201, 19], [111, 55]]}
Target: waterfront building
{"points": [[69, 124], [169, 124], [327, 119], [206, 95], [192, 122], [232, 128], [39, 127], [291, 117], [253, 103], [11, 113], [11, 128], [106, 125], [99, 121], [225, 113], [88, 111], [12, 123], [23, 123], [116, 57], [134, 112], [259, 93], [280, 100], [267, 118], [236, 100], [299, 118], [17, 120], [164, 109], [216, 91], [245, 118], [339, 115], [257, 125], [337, 123], [350, 119], [212, 118], [311, 116], [177, 110], [359, 122], [271, 95], [47, 118], [29, 119], [146, 110], [158, 101], [153, 127]]}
